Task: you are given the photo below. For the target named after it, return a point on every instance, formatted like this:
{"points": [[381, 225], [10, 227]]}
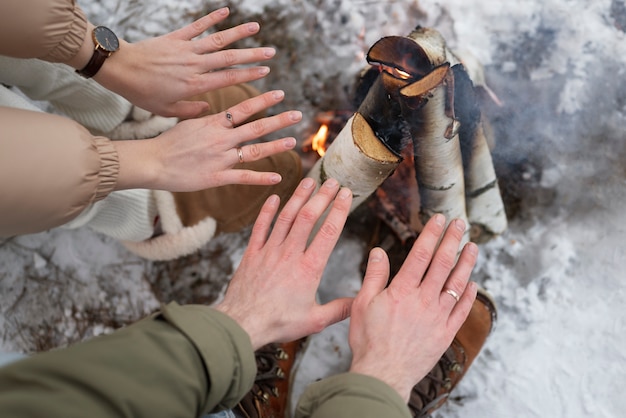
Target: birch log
{"points": [[485, 208], [357, 159], [428, 107]]}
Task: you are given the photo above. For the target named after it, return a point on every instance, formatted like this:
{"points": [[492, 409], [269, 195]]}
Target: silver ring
{"points": [[229, 117], [240, 154], [453, 294]]}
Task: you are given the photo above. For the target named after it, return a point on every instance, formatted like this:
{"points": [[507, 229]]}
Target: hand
{"points": [[200, 153], [159, 74], [398, 333], [272, 293]]}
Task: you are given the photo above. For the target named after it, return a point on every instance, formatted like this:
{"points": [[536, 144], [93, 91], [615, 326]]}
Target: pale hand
{"points": [[398, 333], [161, 73], [272, 293]]}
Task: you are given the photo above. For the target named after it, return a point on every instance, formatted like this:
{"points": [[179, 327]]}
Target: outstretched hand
{"points": [[398, 333], [200, 153], [161, 73], [272, 293]]}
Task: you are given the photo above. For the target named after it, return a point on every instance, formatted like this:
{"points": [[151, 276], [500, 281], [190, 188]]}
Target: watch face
{"points": [[106, 39]]}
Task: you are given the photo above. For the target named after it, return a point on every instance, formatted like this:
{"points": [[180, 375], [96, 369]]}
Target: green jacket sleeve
{"points": [[351, 395], [183, 362]]}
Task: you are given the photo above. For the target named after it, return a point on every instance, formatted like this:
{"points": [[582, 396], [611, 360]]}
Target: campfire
{"points": [[416, 143]]}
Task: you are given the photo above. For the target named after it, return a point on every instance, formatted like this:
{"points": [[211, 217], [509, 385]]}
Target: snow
{"points": [[558, 273]]}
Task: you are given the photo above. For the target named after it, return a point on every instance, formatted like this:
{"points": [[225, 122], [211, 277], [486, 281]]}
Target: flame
{"points": [[318, 142], [395, 72]]}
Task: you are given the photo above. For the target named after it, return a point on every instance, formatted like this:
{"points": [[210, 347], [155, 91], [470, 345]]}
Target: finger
{"points": [[261, 127], [327, 236], [310, 213], [213, 80], [239, 176], [221, 39], [242, 111], [257, 151], [376, 275], [231, 57], [412, 270], [462, 309], [332, 312], [185, 109], [458, 279], [287, 216], [444, 259], [263, 223], [201, 25]]}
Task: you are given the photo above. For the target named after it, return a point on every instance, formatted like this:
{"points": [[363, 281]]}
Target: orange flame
{"points": [[318, 143]]}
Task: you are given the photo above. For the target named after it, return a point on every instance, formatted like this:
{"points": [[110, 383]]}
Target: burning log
{"points": [[357, 159], [421, 98]]}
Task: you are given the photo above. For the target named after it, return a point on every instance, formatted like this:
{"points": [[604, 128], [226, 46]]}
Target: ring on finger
{"points": [[453, 294], [229, 117], [240, 154]]}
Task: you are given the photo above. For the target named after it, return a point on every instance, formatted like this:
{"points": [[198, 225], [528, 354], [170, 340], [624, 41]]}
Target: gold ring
{"points": [[453, 294], [229, 117], [240, 154]]}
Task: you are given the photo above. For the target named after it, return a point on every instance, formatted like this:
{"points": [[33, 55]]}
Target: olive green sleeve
{"points": [[182, 362], [351, 395]]}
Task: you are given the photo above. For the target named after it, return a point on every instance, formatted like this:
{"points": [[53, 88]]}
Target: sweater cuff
{"points": [[226, 352], [109, 167], [353, 394]]}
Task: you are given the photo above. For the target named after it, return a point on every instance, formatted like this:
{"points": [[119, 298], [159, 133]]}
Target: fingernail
{"points": [[295, 115], [307, 183], [253, 27], [376, 255], [264, 70], [459, 224], [223, 11], [331, 183], [440, 219], [269, 52], [278, 94], [275, 178], [273, 200], [344, 193], [472, 248], [289, 142]]}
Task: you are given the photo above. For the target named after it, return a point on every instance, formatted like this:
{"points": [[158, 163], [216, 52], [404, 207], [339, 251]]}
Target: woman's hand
{"points": [[160, 74], [200, 153], [272, 293]]}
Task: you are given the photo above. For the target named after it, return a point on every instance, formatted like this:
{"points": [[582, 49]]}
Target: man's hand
{"points": [[272, 293], [398, 333]]}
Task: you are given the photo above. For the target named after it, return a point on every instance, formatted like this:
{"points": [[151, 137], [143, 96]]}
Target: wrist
{"points": [[246, 322], [139, 162], [385, 374]]}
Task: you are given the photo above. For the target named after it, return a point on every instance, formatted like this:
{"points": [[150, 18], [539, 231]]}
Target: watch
{"points": [[106, 43]]}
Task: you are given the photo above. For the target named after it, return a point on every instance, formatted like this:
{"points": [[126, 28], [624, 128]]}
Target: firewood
{"points": [[428, 108], [485, 208], [357, 159]]}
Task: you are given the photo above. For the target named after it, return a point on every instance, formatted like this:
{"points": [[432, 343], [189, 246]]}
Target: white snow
{"points": [[557, 275]]}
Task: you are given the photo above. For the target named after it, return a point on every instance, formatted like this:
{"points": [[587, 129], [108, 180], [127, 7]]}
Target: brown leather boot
{"points": [[433, 390], [269, 395]]}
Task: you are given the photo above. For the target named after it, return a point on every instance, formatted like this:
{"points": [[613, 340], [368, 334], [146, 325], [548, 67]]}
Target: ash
{"points": [[557, 274]]}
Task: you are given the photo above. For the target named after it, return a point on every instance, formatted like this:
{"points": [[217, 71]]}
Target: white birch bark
{"points": [[438, 161], [357, 159]]}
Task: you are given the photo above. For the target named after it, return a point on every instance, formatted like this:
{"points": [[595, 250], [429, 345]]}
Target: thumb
{"points": [[334, 311], [376, 275], [188, 109]]}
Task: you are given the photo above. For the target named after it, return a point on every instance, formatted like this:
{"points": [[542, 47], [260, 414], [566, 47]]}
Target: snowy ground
{"points": [[558, 273]]}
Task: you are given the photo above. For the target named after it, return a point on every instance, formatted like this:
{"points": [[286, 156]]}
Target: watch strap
{"points": [[94, 64]]}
